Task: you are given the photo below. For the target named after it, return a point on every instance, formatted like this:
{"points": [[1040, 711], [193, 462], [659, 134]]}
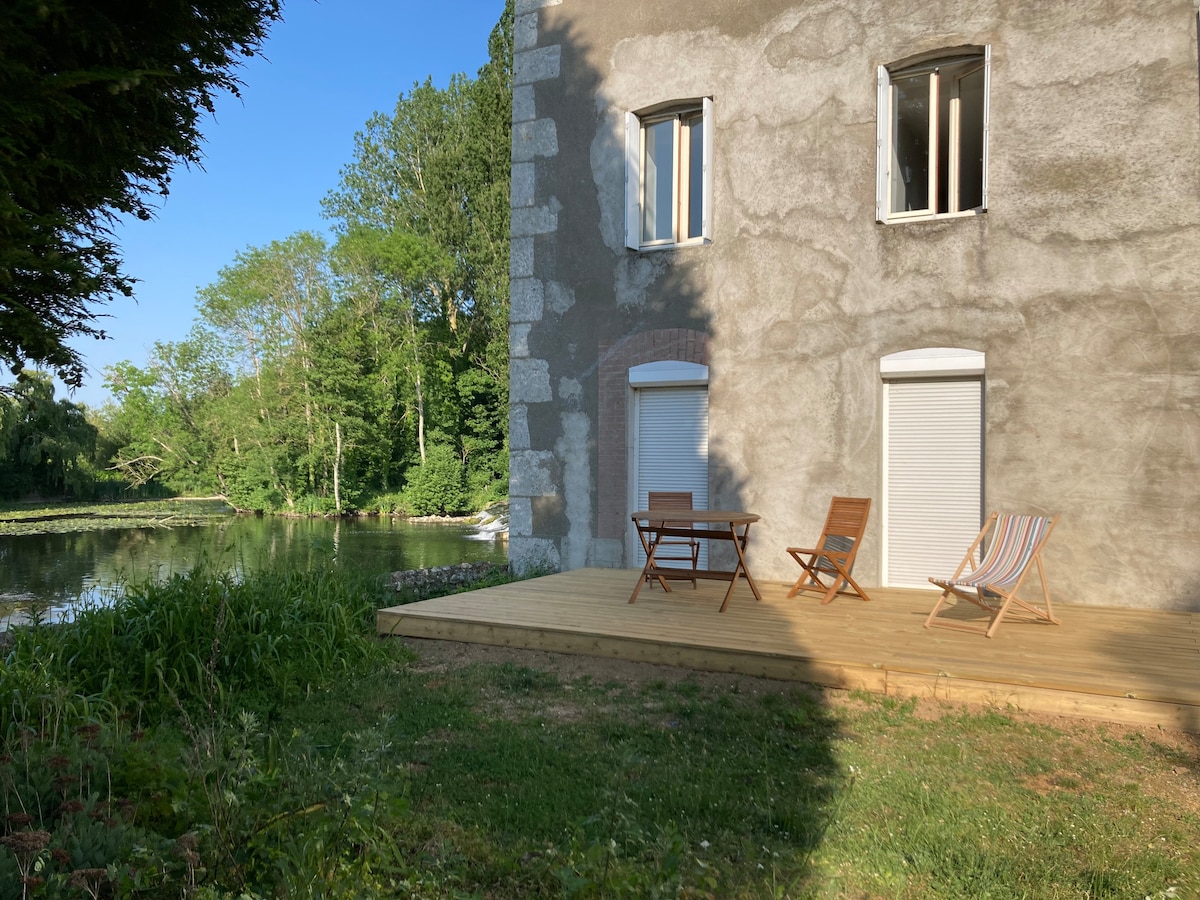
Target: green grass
{"points": [[257, 740]]}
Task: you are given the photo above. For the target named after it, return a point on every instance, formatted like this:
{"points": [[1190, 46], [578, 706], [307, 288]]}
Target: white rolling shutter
{"points": [[933, 488], [671, 447]]}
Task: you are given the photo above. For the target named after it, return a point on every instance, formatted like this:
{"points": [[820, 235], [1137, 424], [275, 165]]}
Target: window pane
{"points": [[910, 143], [658, 181], [970, 140], [695, 183]]}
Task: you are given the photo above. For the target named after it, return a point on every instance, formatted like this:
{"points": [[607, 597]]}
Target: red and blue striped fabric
{"points": [[1014, 540]]}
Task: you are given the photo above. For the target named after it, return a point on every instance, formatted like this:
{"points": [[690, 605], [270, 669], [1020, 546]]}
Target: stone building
{"points": [[943, 255]]}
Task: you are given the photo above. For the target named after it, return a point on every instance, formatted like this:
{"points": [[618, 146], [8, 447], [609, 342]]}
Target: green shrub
{"points": [[390, 504], [314, 505], [487, 479], [438, 485]]}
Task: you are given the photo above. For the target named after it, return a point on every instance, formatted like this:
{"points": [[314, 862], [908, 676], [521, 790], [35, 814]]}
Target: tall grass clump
{"points": [[198, 637], [139, 752]]}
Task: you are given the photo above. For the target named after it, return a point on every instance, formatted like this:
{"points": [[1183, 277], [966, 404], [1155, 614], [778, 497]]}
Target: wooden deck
{"points": [[1122, 665]]}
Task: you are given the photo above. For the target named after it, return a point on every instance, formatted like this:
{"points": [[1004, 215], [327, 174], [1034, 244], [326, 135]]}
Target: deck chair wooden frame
{"points": [[674, 546], [833, 557], [1014, 551]]}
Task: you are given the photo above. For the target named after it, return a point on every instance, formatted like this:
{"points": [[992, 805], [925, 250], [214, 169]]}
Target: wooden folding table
{"points": [[706, 524]]}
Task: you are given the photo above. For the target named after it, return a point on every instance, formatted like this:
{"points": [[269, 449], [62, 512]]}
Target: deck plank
{"points": [[1127, 665]]}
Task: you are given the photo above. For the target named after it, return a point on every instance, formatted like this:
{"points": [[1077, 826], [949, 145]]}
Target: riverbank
{"points": [[57, 563], [61, 518], [490, 522]]}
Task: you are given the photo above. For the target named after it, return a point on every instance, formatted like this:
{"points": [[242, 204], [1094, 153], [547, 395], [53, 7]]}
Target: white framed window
{"points": [[933, 136], [668, 176]]}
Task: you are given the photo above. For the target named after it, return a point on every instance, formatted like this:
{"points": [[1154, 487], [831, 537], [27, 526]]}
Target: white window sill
{"points": [[650, 248], [902, 218]]}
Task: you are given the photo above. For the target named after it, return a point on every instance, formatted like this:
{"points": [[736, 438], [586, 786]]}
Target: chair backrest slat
{"points": [[669, 500], [847, 518], [845, 525]]}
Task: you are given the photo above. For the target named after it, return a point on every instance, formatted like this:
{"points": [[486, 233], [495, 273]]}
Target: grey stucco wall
{"points": [[1080, 283]]}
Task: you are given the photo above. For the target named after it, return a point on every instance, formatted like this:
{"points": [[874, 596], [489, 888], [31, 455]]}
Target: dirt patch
{"points": [[441, 656]]}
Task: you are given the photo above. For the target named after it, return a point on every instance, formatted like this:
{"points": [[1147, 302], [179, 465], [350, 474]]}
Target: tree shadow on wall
{"points": [[754, 820]]}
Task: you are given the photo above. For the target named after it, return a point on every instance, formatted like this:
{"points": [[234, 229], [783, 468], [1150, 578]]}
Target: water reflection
{"points": [[57, 571]]}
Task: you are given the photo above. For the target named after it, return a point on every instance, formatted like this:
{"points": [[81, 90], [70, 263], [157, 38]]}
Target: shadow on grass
{"points": [[601, 778]]}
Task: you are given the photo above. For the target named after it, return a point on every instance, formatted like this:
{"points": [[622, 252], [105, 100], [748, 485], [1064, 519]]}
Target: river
{"points": [[58, 571]]}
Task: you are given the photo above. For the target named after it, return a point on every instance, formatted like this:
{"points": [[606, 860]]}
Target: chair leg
{"points": [[845, 579], [933, 621], [929, 622], [1046, 591], [802, 583], [832, 592], [994, 625], [805, 576]]}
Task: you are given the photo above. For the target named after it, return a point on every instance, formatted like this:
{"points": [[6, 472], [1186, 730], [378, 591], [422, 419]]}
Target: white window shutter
{"points": [[706, 212], [633, 181], [987, 103], [671, 449], [933, 481], [883, 156]]}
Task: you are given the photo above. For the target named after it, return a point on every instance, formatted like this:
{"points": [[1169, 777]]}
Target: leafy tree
{"points": [[322, 376], [437, 487], [166, 416], [47, 444], [264, 308], [99, 99], [407, 272], [438, 168]]}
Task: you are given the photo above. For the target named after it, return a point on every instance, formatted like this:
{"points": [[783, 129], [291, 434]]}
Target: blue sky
{"points": [[272, 155]]}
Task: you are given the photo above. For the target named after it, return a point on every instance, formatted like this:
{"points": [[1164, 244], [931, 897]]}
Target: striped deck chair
{"points": [[1015, 548]]}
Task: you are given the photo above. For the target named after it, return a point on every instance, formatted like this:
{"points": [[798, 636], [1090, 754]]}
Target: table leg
{"points": [[739, 545], [650, 547]]}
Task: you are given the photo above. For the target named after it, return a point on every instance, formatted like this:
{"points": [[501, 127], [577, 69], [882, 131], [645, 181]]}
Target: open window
{"points": [[933, 136], [668, 175]]}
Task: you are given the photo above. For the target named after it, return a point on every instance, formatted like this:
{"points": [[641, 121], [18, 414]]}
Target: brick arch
{"points": [[612, 477]]}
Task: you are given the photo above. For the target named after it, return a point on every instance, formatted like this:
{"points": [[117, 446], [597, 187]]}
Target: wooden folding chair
{"points": [[833, 557], [677, 549], [1012, 553]]}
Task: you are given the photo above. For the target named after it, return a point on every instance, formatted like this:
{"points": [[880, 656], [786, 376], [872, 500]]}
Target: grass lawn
{"points": [[543, 775], [211, 739]]}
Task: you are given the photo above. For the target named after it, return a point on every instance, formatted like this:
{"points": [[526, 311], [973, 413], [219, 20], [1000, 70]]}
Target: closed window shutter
{"points": [[672, 447], [933, 490]]}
